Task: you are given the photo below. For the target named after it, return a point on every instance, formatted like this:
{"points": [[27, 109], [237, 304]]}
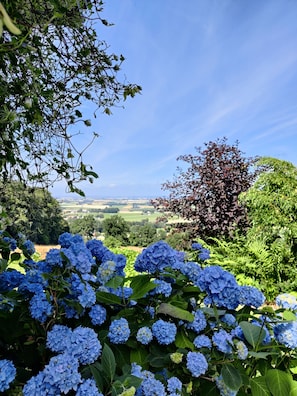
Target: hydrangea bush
{"points": [[74, 324]]}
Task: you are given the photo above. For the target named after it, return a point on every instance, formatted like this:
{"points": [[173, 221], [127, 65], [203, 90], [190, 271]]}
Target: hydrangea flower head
{"points": [[85, 345], [196, 363], [97, 314], [106, 271], [29, 247], [221, 287], [286, 334], [40, 308], [202, 341], [37, 385], [242, 350], [59, 338], [65, 240], [191, 270], [54, 258], [62, 373], [223, 341], [88, 388], [144, 335], [155, 258], [163, 287], [164, 332], [7, 374], [287, 301], [251, 296], [119, 331], [10, 279], [199, 323], [152, 387], [174, 385]]}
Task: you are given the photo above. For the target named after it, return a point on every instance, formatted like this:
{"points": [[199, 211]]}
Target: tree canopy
{"points": [[55, 75], [32, 212], [205, 195]]}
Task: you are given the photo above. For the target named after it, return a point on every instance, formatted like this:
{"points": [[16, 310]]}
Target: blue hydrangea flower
{"points": [[196, 363], [59, 338], [29, 247], [286, 334], [97, 248], [223, 388], [119, 331], [221, 287], [163, 287], [144, 335], [287, 301], [88, 388], [199, 323], [82, 291], [223, 341], [85, 345], [10, 279], [191, 270], [241, 350], [65, 240], [11, 242], [83, 260], [7, 374], [137, 371], [33, 283], [54, 258], [174, 385], [106, 271], [251, 296], [62, 373], [204, 254], [229, 319], [37, 385], [164, 332], [152, 387], [40, 308], [97, 314], [202, 341], [155, 258], [196, 246]]}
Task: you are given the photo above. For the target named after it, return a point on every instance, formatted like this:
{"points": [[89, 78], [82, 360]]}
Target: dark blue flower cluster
{"points": [[7, 374]]}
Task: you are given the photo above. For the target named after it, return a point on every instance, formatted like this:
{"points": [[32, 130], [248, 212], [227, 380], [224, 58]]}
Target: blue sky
{"points": [[208, 69]]}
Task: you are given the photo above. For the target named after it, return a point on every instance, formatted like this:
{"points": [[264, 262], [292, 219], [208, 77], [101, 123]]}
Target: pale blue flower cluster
{"points": [[286, 334], [164, 332], [97, 314], [199, 323], [221, 287], [251, 296], [202, 341], [7, 374], [119, 331], [155, 258], [287, 301], [196, 363], [163, 287], [144, 335], [223, 388], [223, 341]]}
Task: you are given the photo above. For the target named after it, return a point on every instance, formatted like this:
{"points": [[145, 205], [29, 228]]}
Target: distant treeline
{"points": [[105, 210]]}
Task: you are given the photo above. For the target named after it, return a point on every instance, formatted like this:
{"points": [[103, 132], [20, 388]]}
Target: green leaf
{"points": [[115, 282], [108, 298], [231, 377], [138, 356], [279, 382], [108, 363], [259, 387], [289, 315], [182, 341], [293, 366], [293, 391], [141, 285], [96, 370], [15, 256], [254, 334], [175, 312]]}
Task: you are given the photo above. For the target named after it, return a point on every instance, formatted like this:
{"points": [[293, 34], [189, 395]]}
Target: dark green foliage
{"points": [[49, 75], [206, 193], [143, 235], [33, 212], [179, 240], [85, 226], [115, 226]]}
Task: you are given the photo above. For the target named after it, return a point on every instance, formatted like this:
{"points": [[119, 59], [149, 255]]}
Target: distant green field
{"points": [[134, 216]]}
